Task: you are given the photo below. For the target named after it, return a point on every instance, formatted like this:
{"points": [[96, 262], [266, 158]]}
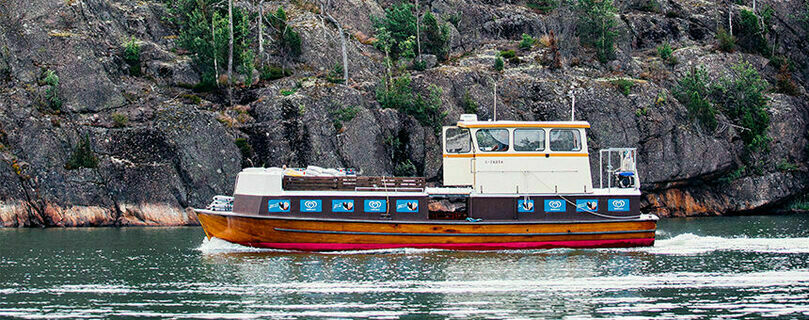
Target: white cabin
{"points": [[508, 157]]}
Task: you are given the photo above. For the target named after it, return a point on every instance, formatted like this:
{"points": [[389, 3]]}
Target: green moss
{"points": [[119, 120], [131, 56], [727, 42], [274, 73], [527, 42], [82, 156], [508, 54], [499, 64], [624, 86]]}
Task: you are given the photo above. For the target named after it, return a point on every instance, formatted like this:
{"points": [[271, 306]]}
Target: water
{"points": [[700, 268]]}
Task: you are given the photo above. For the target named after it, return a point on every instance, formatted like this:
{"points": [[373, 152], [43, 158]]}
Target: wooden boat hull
{"points": [[335, 235]]}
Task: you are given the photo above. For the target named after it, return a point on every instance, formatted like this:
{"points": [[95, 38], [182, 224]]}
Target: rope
{"points": [[585, 209]]}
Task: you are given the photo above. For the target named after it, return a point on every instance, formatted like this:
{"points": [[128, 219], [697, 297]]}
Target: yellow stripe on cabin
{"points": [[535, 155], [523, 125]]}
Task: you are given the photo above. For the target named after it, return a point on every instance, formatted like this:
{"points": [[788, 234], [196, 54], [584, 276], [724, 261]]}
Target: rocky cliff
{"points": [[158, 147]]}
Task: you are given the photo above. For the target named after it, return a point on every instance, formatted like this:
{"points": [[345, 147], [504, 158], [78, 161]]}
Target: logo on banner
{"points": [[525, 205], [586, 205], [619, 205], [375, 206], [407, 206], [555, 206], [311, 206], [278, 205], [342, 205]]}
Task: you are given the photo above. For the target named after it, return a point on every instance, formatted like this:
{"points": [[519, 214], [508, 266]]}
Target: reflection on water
{"points": [[734, 266]]}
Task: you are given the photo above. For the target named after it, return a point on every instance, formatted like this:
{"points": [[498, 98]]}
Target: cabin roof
{"points": [[523, 124]]}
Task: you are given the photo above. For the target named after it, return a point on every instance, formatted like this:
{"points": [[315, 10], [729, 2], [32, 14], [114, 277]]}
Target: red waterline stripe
{"points": [[457, 246]]}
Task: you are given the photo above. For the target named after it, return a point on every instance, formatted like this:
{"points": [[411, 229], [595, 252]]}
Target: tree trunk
{"points": [[215, 64], [418, 34], [730, 19], [230, 53], [261, 28], [343, 44]]}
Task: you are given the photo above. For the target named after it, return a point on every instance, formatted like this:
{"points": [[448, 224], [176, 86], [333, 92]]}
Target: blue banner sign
{"points": [[278, 205], [525, 205], [555, 205], [342, 206], [618, 205], [407, 206], [587, 205], [311, 205], [375, 205]]}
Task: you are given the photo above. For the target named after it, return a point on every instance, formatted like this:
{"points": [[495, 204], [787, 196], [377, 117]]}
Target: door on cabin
{"points": [[458, 157]]}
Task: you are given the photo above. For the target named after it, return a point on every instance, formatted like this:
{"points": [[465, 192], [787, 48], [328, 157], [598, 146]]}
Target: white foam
{"points": [[691, 244], [216, 245]]}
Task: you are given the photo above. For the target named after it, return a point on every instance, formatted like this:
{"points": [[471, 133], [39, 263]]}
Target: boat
{"points": [[506, 185]]}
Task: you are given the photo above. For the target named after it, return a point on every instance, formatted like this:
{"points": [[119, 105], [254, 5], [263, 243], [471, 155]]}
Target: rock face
{"points": [[175, 148]]}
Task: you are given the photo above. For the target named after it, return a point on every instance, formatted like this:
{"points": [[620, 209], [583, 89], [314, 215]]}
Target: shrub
{"points": [[596, 26], [527, 42], [404, 169], [651, 6], [435, 36], [399, 22], [289, 40], [785, 165], [52, 99], [733, 175], [468, 104], [624, 86], [245, 149], [288, 92], [752, 33], [119, 120], [335, 75], [742, 96], [693, 91], [344, 114], [498, 63], [543, 6], [508, 54], [82, 156], [399, 95], [727, 42], [274, 73], [132, 56], [784, 83]]}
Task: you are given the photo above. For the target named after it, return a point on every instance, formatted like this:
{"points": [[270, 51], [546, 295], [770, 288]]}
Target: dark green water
{"points": [[700, 268]]}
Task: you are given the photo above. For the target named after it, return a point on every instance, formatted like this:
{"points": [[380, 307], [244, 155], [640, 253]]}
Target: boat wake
{"points": [[692, 244], [216, 245]]}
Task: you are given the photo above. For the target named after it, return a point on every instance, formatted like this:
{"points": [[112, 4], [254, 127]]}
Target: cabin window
{"points": [[529, 140], [492, 140], [565, 140], [458, 140]]}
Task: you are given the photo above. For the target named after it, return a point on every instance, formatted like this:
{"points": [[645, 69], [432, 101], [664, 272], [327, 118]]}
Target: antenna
{"points": [[572, 105], [494, 94]]}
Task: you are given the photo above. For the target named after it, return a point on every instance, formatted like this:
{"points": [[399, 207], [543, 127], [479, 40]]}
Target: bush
{"points": [[399, 95], [245, 149], [119, 120], [52, 99], [784, 83], [404, 169], [693, 91], [727, 42], [289, 40], [132, 57], [468, 104], [344, 114], [274, 73], [651, 6], [83, 156], [335, 75], [624, 86], [752, 33], [543, 6], [734, 175], [596, 26], [399, 22], [288, 92], [784, 165], [742, 96], [499, 64], [435, 37], [508, 54], [666, 53], [527, 42]]}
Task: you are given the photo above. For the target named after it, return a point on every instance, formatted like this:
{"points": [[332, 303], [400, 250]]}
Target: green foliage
{"points": [[468, 104], [733, 175], [52, 99], [784, 83], [245, 149], [753, 32], [82, 156], [651, 6], [287, 39], [435, 36], [508, 54], [801, 203], [596, 26], [419, 65], [404, 169], [543, 6], [119, 120], [288, 92], [665, 52], [344, 114], [743, 100], [641, 111], [693, 91], [131, 56], [498, 63], [399, 95], [624, 86], [335, 75], [527, 41], [274, 73], [787, 166], [399, 24], [727, 42], [453, 18]]}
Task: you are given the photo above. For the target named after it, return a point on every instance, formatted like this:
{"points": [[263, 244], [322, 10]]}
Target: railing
{"points": [[354, 183], [620, 167]]}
